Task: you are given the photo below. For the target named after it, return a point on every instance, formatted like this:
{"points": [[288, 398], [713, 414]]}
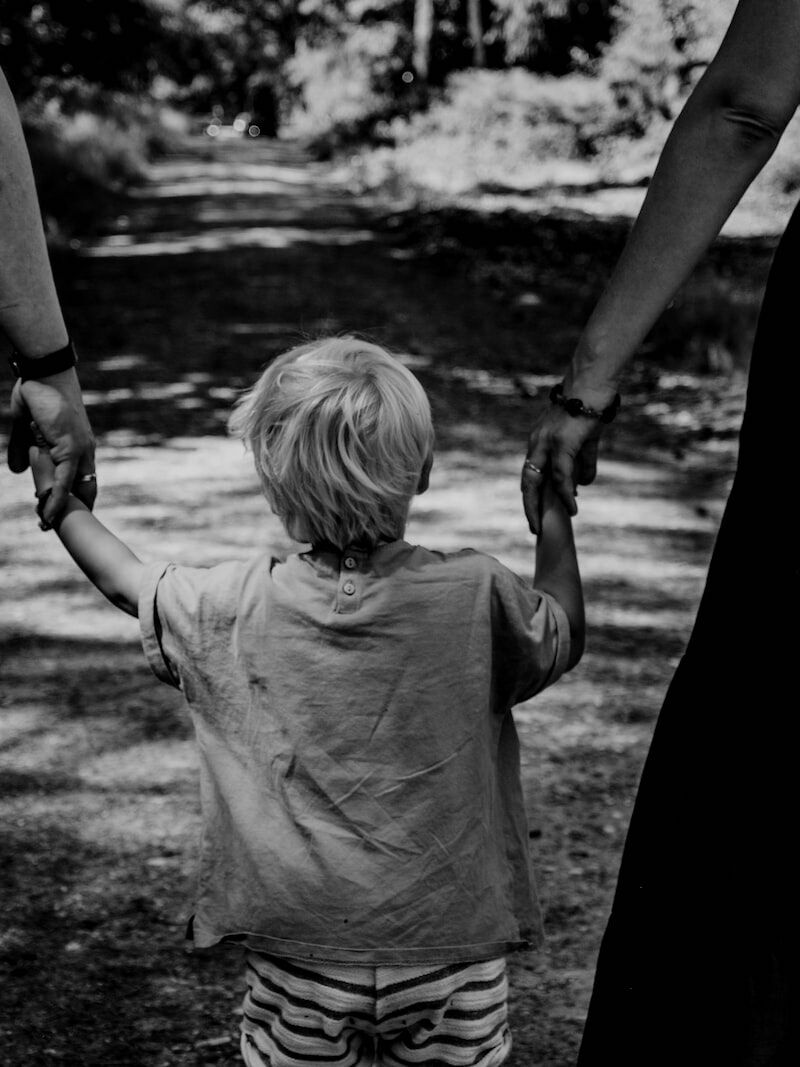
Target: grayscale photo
{"points": [[398, 559]]}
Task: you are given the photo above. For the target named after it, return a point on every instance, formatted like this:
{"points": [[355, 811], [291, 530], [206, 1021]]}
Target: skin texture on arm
{"points": [[726, 132], [31, 319], [557, 571], [105, 560]]}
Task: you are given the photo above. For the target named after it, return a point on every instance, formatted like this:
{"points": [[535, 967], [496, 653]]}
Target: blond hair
{"points": [[341, 433]]}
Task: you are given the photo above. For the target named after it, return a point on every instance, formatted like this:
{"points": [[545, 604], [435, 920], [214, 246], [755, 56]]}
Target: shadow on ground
{"points": [[230, 255]]}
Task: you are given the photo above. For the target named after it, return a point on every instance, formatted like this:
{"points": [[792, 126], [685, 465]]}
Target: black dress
{"points": [[700, 961]]}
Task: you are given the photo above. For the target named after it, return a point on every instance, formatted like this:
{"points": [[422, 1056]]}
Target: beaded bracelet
{"points": [[574, 406]]}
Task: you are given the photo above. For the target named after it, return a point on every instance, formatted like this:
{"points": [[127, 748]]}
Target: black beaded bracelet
{"points": [[27, 369], [574, 406]]}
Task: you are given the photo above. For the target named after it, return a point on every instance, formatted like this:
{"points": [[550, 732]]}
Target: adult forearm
{"points": [[30, 314], [711, 157]]}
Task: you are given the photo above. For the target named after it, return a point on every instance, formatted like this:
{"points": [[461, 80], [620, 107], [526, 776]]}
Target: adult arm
{"points": [[31, 319], [726, 132]]}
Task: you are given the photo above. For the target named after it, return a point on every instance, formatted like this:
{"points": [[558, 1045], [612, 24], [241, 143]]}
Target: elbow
{"points": [[742, 109], [753, 128], [121, 599], [751, 112]]}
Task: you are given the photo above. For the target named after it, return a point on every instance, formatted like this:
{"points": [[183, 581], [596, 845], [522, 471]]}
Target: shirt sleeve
{"points": [[531, 639], [185, 618]]}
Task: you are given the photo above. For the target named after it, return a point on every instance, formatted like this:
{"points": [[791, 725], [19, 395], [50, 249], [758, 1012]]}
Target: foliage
{"points": [[232, 54], [343, 90], [338, 66], [88, 146], [120, 47], [495, 129], [658, 50], [612, 73], [545, 35], [516, 108], [347, 74]]}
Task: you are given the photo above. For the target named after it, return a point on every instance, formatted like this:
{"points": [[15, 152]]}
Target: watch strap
{"points": [[27, 369]]}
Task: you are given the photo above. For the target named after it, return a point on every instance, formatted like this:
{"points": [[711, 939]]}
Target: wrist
{"points": [[576, 406], [46, 366], [592, 376], [72, 505], [63, 380]]}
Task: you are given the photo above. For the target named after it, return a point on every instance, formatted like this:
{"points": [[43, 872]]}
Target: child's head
{"points": [[342, 438]]}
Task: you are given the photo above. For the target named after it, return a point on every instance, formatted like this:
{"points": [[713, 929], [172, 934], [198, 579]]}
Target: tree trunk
{"points": [[423, 31], [475, 29]]}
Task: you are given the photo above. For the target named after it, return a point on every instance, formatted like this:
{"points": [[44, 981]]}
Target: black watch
{"points": [[27, 369], [574, 406]]}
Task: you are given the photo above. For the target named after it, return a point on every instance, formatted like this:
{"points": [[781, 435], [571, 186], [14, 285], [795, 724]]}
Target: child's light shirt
{"points": [[359, 765]]}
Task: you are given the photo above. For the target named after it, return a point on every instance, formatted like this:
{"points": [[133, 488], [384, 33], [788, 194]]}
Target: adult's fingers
{"points": [[19, 441], [586, 461], [84, 487], [532, 480], [20, 437], [63, 477], [530, 484], [56, 405], [562, 470]]}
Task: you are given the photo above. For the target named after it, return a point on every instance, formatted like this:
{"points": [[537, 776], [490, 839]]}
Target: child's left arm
{"points": [[103, 558]]}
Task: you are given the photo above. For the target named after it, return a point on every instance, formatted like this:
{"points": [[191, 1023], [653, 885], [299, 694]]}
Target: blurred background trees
{"points": [[104, 88]]}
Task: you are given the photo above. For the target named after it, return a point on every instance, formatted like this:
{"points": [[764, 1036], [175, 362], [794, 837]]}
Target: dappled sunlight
{"points": [[140, 822], [646, 512], [268, 329], [229, 185], [634, 562], [656, 618], [218, 265], [159, 765], [198, 500], [223, 239], [19, 721], [123, 362], [133, 822], [220, 176], [548, 725]]}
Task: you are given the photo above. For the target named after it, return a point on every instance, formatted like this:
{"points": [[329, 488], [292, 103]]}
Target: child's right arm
{"points": [[103, 558], [557, 570]]}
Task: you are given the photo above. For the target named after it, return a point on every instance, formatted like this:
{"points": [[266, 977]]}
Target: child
{"points": [[364, 835]]}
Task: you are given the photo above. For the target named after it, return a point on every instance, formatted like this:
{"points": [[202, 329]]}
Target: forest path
{"points": [[227, 256]]}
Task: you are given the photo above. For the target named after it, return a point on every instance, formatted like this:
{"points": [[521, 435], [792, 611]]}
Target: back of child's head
{"points": [[341, 434]]}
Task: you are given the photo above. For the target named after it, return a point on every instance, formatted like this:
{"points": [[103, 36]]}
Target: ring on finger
{"points": [[88, 477], [532, 467]]}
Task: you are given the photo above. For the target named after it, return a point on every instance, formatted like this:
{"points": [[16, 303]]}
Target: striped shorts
{"points": [[348, 1015]]}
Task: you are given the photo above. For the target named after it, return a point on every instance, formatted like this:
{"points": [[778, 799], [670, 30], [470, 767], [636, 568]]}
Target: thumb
{"points": [[63, 478], [19, 442], [562, 467], [586, 461]]}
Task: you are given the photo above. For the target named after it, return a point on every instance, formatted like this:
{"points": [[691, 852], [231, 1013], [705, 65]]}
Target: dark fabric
{"points": [[699, 961]]}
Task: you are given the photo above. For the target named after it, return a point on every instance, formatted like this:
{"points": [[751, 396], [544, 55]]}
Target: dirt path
{"points": [[227, 257]]}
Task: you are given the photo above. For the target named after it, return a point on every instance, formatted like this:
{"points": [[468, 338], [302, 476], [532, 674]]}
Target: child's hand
{"points": [[43, 470], [550, 498]]}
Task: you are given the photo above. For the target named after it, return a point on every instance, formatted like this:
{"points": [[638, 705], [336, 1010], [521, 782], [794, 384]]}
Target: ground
{"points": [[228, 255]]}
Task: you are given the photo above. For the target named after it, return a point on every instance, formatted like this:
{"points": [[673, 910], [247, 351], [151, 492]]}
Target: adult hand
{"points": [[56, 406], [563, 448]]}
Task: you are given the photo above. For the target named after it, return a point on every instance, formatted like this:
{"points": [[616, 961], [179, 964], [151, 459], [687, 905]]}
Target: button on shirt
{"points": [[359, 766]]}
